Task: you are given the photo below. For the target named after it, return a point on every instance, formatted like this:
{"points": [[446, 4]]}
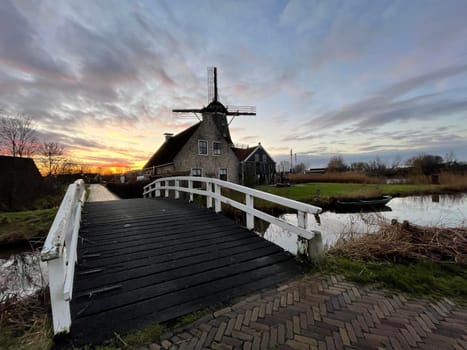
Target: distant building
{"points": [[20, 182], [206, 149]]}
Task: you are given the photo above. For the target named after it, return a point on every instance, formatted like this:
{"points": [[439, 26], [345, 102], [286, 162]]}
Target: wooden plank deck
{"points": [[151, 260]]}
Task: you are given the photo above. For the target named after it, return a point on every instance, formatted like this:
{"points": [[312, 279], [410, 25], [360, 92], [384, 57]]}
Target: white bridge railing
{"points": [[60, 252], [310, 240]]}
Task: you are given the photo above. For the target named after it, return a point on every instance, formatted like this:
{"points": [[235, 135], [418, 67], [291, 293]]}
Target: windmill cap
{"points": [[215, 106]]}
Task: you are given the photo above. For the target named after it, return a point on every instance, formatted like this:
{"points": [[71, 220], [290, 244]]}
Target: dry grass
{"points": [[447, 180], [345, 177], [402, 242], [453, 182], [25, 323]]}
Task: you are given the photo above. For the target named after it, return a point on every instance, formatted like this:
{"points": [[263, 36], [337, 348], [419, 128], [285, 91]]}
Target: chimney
{"points": [[168, 136]]}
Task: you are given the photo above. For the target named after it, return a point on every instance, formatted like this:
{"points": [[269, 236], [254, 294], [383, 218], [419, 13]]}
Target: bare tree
{"points": [[336, 164], [17, 135], [52, 157]]}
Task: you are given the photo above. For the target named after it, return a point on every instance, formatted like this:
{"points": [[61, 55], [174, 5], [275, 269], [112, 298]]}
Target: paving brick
{"points": [[247, 318], [256, 343], [238, 322], [281, 334], [273, 337], [220, 332], [230, 326], [297, 345], [265, 341]]}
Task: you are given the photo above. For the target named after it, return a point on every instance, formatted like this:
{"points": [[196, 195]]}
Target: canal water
{"points": [[433, 210]]}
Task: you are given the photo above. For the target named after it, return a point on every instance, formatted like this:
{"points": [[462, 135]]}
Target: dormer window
{"points": [[216, 148], [202, 147]]}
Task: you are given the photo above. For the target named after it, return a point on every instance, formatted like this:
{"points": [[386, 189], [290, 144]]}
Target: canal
{"points": [[432, 210]]}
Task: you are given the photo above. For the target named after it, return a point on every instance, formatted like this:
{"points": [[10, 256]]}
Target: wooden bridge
{"points": [[149, 260]]}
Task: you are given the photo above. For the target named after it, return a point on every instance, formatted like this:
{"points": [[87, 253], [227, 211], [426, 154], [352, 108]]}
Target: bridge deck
{"points": [[152, 260]]}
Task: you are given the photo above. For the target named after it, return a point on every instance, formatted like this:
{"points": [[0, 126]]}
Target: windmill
{"points": [[216, 109]]}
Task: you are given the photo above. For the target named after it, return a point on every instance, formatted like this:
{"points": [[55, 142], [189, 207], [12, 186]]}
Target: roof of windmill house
{"points": [[170, 148], [243, 153]]}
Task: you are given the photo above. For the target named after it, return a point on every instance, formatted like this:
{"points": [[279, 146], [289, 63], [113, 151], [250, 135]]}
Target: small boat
{"points": [[367, 202], [283, 184]]}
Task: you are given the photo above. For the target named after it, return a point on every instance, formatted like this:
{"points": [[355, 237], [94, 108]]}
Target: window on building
{"points": [[265, 158], [223, 174], [256, 157], [197, 172], [216, 148], [202, 147]]}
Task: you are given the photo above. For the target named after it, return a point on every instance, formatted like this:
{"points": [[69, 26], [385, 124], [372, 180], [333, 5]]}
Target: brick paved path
{"points": [[326, 313]]}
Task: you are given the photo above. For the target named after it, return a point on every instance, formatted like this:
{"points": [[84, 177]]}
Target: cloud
{"points": [[20, 46], [386, 106]]}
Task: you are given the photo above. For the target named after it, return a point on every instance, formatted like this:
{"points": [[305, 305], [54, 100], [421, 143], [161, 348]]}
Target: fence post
{"points": [[217, 201], [167, 184], [208, 195], [177, 192], [190, 187], [250, 217]]}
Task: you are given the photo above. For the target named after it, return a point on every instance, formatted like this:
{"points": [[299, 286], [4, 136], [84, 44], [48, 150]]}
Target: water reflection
{"points": [[437, 210], [22, 275]]}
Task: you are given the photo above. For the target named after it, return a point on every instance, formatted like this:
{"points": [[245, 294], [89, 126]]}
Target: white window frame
{"points": [[199, 148], [214, 150], [226, 174], [200, 169]]}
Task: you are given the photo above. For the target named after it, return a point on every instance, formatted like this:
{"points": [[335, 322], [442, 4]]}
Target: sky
{"points": [[361, 79]]}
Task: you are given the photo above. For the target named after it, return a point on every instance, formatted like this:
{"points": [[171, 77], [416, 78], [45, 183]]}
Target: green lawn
{"points": [[23, 225], [325, 191]]}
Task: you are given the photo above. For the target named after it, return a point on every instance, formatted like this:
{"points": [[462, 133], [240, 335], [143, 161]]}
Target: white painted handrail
{"points": [[164, 185], [60, 252]]}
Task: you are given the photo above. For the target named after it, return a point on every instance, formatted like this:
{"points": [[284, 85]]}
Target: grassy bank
{"points": [[401, 257], [326, 193], [420, 278], [23, 225]]}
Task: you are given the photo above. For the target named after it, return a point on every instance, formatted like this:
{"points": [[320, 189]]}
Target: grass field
{"points": [[22, 225]]}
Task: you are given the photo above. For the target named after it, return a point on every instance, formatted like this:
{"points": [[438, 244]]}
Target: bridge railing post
{"points": [[61, 315], [250, 217], [217, 201], [158, 191], [190, 188], [302, 218], [208, 195], [177, 192]]}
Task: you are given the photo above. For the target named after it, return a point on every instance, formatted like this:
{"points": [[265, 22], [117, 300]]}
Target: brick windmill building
{"points": [[206, 148]]}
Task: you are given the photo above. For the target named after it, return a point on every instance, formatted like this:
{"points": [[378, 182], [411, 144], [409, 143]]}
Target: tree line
{"points": [[425, 164], [18, 138]]}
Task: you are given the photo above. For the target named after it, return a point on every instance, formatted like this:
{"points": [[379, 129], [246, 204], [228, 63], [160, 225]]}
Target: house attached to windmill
{"points": [[206, 148]]}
